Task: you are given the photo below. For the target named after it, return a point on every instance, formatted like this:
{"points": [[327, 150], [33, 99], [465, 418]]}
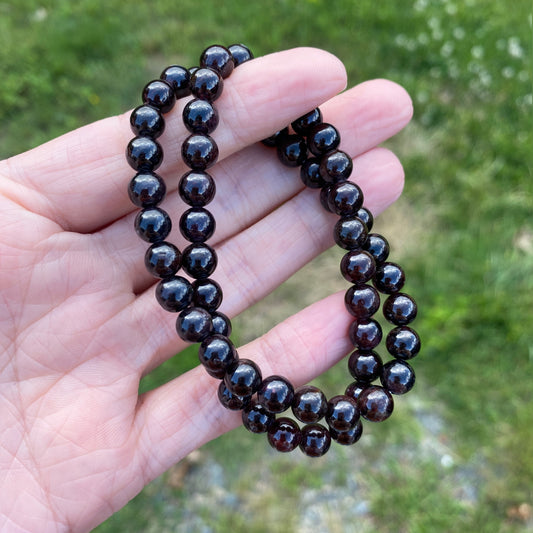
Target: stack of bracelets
{"points": [[242, 386]]}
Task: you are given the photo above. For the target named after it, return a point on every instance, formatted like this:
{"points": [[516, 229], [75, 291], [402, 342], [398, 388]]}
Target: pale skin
{"points": [[79, 324]]}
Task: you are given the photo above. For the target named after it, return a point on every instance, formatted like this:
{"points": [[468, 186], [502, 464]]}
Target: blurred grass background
{"points": [[458, 454]]}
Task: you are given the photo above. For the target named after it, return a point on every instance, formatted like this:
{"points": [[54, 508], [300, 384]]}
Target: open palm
{"points": [[79, 324]]}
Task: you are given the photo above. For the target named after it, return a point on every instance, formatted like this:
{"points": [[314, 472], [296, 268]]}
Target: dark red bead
{"points": [[256, 418], [147, 121], [302, 124], [199, 260], [199, 116], [378, 247], [206, 84], [336, 166], [315, 440], [292, 150], [400, 309], [365, 333], [243, 377], [275, 138], [342, 413], [358, 266], [365, 366], [218, 58], [217, 354], [174, 294], [322, 138], [197, 224], [152, 224], [310, 173], [221, 323], [147, 189], [197, 188], [159, 94], [179, 79], [324, 197], [309, 404], [361, 301], [232, 401], [389, 278], [375, 403], [207, 294], [354, 390], [194, 324], [346, 438], [199, 152], [366, 216], [275, 394], [144, 153], [403, 343], [398, 377], [345, 199], [350, 233], [240, 54], [162, 259], [284, 435]]}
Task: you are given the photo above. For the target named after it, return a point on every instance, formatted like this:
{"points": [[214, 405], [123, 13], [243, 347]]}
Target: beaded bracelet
{"points": [[327, 168]]}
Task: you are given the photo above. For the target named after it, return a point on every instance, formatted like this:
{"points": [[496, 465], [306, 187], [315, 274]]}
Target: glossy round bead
{"points": [[302, 124], [147, 189], [199, 116], [375, 403], [354, 389], [152, 224], [206, 84], [194, 324], [174, 294], [366, 216], [144, 153], [243, 377], [147, 121], [162, 259], [365, 333], [342, 413], [315, 440], [398, 377], [240, 54], [346, 438], [197, 224], [309, 404], [336, 166], [217, 354], [324, 197], [232, 401], [221, 323], [199, 260], [284, 435], [292, 150], [275, 138], [310, 173], [365, 366], [350, 233], [207, 293], [358, 266], [199, 152], [403, 343], [218, 58], [192, 70], [400, 309], [159, 94], [178, 78], [361, 301], [378, 247], [197, 188], [389, 278], [275, 394], [322, 138], [256, 418], [345, 199]]}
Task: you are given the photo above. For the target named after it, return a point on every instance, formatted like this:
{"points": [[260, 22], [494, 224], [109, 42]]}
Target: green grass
{"points": [[468, 201]]}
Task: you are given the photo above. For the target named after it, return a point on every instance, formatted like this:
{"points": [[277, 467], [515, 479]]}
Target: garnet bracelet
{"points": [[312, 145]]}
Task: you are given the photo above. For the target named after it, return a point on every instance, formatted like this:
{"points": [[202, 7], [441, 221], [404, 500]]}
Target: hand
{"points": [[79, 322]]}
